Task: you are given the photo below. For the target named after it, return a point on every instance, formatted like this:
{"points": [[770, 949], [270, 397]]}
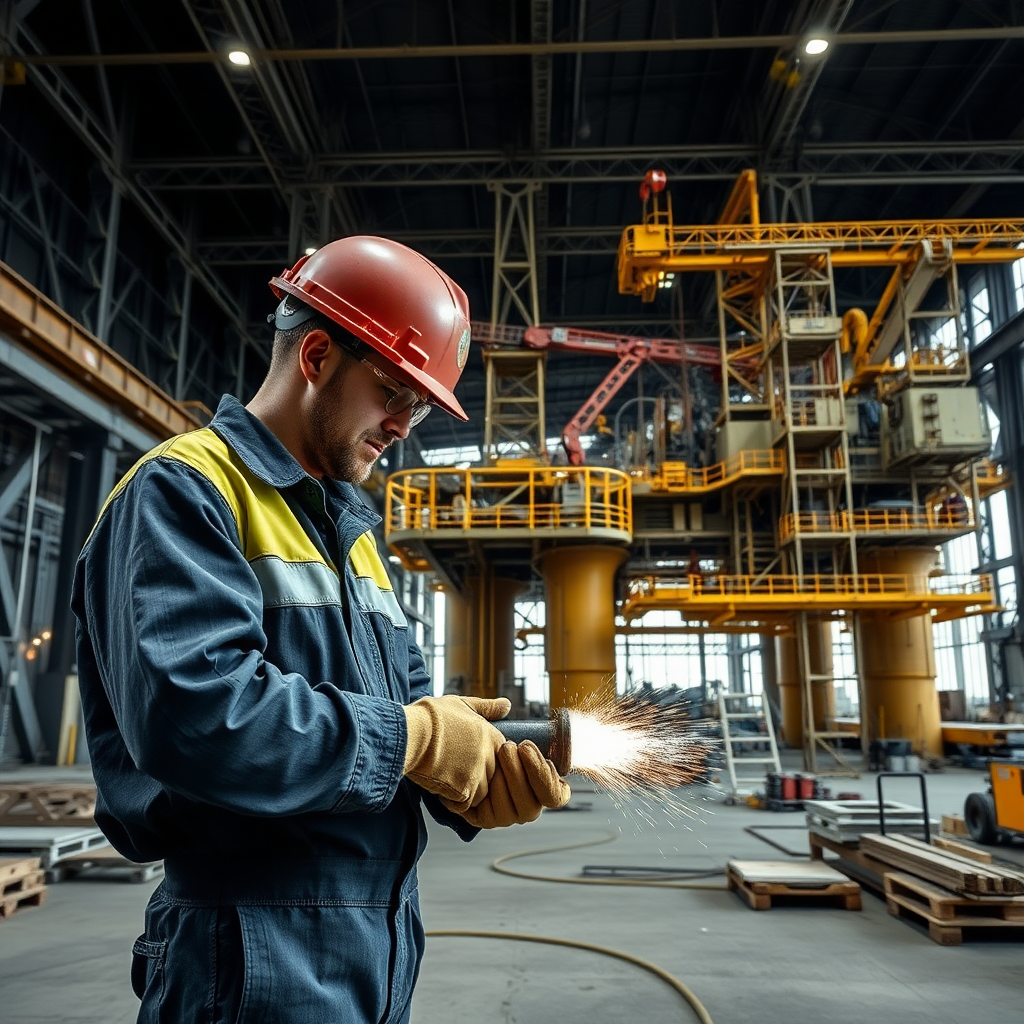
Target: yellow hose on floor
{"points": [[695, 1004]]}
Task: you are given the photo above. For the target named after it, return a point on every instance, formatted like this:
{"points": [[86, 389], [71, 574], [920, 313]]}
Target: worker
{"points": [[256, 707]]}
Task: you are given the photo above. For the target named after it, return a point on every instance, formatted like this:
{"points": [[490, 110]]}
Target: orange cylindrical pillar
{"points": [[458, 657], [579, 649], [898, 696], [502, 638], [819, 644], [492, 601]]}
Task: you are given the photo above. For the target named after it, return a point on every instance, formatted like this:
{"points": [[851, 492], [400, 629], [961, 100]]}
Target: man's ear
{"points": [[315, 355]]}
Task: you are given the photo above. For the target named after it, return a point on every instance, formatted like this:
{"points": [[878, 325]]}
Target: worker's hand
{"points": [[524, 783], [452, 746]]}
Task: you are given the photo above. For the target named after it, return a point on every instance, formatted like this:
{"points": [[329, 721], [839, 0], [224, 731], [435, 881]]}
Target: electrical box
{"points": [[687, 518], [934, 425], [828, 412], [802, 326], [737, 436]]}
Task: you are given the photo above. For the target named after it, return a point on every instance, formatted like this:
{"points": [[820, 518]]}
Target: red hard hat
{"points": [[394, 300]]}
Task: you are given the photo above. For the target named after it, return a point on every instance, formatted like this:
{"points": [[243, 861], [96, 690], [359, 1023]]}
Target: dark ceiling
{"points": [[397, 118]]}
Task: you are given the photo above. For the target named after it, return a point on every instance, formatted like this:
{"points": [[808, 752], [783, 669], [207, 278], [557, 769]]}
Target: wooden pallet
{"points": [[104, 861], [40, 803], [9, 905], [849, 860], [762, 895], [946, 915], [22, 884], [15, 867]]}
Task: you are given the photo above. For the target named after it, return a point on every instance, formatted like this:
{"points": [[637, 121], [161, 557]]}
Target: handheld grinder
{"points": [[551, 736]]}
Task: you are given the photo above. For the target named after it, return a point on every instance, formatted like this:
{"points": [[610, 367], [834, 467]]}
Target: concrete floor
{"points": [[68, 961]]}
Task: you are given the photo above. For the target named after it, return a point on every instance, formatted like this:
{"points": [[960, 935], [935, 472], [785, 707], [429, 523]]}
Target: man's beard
{"points": [[339, 458]]}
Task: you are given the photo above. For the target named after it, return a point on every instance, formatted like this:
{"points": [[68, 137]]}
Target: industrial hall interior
{"points": [[720, 509]]}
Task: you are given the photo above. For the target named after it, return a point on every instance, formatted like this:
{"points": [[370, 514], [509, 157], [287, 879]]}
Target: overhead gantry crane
{"points": [[782, 528], [814, 554]]}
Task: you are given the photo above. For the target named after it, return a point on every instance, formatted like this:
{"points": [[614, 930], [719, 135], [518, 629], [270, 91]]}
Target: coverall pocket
{"points": [[327, 962], [148, 970]]}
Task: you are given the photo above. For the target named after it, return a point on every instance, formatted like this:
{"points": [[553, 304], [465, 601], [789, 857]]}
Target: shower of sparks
{"points": [[639, 752]]}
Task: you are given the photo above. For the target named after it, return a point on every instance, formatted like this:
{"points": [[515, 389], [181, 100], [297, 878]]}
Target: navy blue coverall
{"points": [[242, 658]]}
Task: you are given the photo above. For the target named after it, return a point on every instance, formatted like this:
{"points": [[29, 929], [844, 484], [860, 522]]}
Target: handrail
{"points": [[877, 520], [678, 476], [446, 499], [866, 584]]}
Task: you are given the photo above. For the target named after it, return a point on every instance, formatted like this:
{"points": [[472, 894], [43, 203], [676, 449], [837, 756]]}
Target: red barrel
{"points": [[788, 787], [805, 787]]}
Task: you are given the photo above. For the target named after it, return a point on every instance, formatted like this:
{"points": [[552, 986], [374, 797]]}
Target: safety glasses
{"points": [[400, 398]]}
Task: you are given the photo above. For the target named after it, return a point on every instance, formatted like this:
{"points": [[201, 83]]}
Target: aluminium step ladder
{"points": [[748, 755]]}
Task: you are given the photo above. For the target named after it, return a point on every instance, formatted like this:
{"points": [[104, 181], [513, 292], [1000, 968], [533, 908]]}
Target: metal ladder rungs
{"points": [[760, 756]]}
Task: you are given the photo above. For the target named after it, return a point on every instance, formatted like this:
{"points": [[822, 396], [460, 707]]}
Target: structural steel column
{"points": [[491, 634], [580, 614], [819, 642], [898, 695], [458, 656]]}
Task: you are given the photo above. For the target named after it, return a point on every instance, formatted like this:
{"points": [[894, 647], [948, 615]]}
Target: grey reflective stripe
{"points": [[371, 598], [285, 584]]}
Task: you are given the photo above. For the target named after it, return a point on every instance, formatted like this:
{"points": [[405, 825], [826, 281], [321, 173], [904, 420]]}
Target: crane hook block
{"points": [[657, 180]]}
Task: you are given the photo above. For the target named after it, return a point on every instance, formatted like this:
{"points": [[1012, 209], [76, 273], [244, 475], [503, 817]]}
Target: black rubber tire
{"points": [[980, 816]]}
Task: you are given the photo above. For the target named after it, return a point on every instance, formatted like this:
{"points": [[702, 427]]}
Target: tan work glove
{"points": [[523, 785], [452, 746]]}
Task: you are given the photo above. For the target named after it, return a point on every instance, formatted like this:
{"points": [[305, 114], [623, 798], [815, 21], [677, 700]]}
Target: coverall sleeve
{"points": [[174, 613], [419, 685]]}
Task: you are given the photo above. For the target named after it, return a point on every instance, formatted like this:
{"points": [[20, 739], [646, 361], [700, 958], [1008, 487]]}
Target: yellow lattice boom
{"points": [[648, 251]]}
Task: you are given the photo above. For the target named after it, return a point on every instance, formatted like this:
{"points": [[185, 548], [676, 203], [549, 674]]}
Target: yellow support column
{"points": [[458, 658], [898, 696], [580, 614], [819, 642], [492, 634]]}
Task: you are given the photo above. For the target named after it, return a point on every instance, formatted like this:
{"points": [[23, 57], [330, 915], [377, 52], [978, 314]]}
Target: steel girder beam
{"points": [[823, 17], [988, 162], [595, 241], [403, 51], [90, 129], [270, 100]]}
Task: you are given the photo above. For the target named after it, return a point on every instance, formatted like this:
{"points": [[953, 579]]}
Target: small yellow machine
{"points": [[1000, 811]]}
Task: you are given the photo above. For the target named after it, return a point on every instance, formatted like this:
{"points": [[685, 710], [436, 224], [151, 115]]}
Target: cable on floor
{"points": [[497, 865], [695, 1004]]}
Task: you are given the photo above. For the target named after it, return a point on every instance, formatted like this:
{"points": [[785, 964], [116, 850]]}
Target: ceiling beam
{"points": [[987, 162], [531, 49]]}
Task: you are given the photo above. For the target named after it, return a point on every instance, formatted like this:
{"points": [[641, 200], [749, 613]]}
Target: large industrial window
{"points": [[980, 309]]}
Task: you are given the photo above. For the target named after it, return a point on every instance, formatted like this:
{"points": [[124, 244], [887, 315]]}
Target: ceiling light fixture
{"points": [[240, 58], [815, 45]]}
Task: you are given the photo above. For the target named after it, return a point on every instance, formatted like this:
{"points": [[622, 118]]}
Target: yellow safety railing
{"points": [[678, 477], [991, 477], [506, 498], [865, 584], [877, 520], [721, 598]]}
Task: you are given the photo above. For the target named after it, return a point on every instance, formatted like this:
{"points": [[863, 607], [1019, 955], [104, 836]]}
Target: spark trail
{"points": [[628, 745]]}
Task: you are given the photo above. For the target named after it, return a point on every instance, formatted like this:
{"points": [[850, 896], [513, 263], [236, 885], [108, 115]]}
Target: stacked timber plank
{"points": [[950, 870], [45, 803], [948, 893], [21, 884], [766, 883]]}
